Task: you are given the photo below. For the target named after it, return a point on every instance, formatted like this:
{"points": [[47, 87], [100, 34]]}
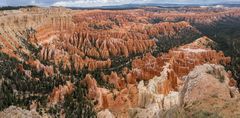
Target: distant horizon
{"points": [[102, 3], [140, 4]]}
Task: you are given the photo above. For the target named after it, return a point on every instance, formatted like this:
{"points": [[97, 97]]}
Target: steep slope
{"points": [[161, 88], [193, 90], [18, 26], [220, 24]]}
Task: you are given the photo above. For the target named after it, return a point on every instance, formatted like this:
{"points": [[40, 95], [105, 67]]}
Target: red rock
{"points": [[60, 92]]}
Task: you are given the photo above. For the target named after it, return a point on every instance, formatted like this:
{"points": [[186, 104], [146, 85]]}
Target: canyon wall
{"points": [[111, 63]]}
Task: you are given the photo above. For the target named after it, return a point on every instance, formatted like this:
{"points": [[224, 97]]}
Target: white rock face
{"points": [[152, 111], [152, 86], [170, 100], [150, 102], [105, 114], [202, 82]]}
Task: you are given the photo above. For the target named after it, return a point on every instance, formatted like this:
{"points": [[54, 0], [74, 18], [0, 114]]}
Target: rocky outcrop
{"points": [[36, 64], [37, 25], [201, 16], [206, 81], [113, 78], [96, 93], [182, 60], [101, 46], [105, 114], [151, 102], [170, 30], [160, 79], [105, 99], [203, 42], [206, 90], [60, 92], [16, 112], [72, 61]]}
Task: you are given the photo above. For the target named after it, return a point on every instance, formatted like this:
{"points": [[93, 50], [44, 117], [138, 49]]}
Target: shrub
{"points": [[205, 114]]}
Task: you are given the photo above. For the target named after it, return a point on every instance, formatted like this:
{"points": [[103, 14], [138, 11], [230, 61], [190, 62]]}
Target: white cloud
{"points": [[94, 3]]}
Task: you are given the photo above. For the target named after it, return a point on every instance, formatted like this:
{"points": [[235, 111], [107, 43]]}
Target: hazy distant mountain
{"points": [[229, 4], [134, 6]]}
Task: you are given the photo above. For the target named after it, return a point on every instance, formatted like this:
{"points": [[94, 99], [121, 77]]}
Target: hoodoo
{"points": [[146, 62]]}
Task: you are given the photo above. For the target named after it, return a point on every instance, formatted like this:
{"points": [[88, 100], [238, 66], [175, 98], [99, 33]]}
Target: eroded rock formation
{"points": [[132, 63], [182, 60], [60, 92], [161, 88]]}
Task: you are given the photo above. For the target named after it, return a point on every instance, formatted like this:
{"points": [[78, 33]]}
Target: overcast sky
{"points": [[89, 3]]}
